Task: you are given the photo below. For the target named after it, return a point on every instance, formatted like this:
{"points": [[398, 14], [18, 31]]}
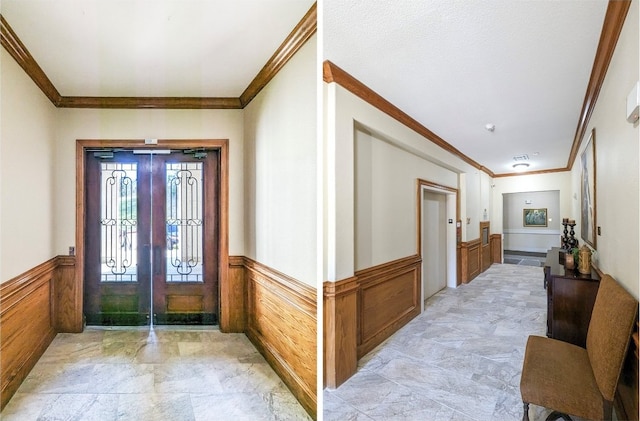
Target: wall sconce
{"points": [[633, 104]]}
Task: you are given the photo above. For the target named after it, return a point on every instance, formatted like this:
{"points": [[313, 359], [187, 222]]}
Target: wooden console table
{"points": [[570, 299]]}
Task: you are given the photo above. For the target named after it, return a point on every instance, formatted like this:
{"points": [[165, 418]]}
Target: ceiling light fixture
{"points": [[520, 166], [490, 127]]}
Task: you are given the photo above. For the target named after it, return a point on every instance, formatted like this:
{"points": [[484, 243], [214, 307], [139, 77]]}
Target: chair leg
{"points": [[525, 416], [556, 415]]}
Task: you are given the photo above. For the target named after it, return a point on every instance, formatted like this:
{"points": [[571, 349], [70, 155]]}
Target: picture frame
{"points": [[536, 217], [588, 192]]}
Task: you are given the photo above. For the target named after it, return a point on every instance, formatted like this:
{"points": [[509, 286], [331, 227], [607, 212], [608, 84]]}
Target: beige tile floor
{"points": [[164, 373], [461, 359]]}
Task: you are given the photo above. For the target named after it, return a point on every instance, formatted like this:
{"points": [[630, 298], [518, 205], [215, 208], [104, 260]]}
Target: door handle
{"points": [[157, 260], [145, 258]]}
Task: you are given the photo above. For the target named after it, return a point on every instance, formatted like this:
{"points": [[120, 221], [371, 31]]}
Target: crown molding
{"points": [[334, 74], [296, 39], [149, 102], [611, 28], [289, 47], [535, 172], [21, 55]]}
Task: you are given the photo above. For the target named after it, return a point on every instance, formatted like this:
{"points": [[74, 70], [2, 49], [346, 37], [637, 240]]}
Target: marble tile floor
{"points": [[524, 258], [461, 359], [142, 374]]}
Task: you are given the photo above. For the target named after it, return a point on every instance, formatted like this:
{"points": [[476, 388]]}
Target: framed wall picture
{"points": [[588, 191], [534, 217]]}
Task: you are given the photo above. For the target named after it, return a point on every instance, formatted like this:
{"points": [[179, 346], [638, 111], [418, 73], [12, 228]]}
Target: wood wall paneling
{"points": [[496, 248], [28, 324], [236, 310], [340, 345], [469, 260], [388, 298], [67, 299], [485, 245], [282, 324]]}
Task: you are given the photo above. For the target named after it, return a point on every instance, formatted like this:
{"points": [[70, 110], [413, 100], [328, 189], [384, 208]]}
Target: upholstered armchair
{"points": [[572, 380]]}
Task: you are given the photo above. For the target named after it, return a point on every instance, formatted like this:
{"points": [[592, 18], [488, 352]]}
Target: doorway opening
{"points": [[152, 229], [437, 215]]}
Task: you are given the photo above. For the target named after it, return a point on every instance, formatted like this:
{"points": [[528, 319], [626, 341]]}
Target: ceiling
{"points": [[155, 48], [453, 65], [457, 65]]}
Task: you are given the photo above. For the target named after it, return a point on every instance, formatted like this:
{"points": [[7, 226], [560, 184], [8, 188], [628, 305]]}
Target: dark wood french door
{"points": [[151, 248]]}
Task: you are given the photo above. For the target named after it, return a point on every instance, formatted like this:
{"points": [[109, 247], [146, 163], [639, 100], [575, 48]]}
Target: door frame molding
{"points": [[426, 185], [223, 241]]}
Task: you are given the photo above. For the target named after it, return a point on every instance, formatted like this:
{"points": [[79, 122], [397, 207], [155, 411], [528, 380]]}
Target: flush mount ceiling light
{"points": [[490, 127], [520, 166]]}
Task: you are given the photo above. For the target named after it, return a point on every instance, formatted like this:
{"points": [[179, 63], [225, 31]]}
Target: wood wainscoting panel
{"points": [[282, 324], [27, 320], [388, 298], [496, 248], [340, 345], [67, 298], [236, 317], [469, 260]]}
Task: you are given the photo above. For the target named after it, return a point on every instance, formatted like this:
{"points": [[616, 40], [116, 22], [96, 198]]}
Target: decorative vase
{"points": [[584, 262], [568, 261]]}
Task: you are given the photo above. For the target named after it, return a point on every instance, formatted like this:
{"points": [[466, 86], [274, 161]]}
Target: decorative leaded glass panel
{"points": [[184, 221], [118, 222]]}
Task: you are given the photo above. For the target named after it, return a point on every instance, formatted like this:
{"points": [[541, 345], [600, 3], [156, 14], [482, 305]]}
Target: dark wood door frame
{"points": [[223, 145]]}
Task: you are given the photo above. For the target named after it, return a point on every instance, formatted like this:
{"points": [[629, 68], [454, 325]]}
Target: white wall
{"points": [[560, 181], [617, 163], [533, 239], [346, 119], [27, 127], [385, 203], [73, 124], [280, 130]]}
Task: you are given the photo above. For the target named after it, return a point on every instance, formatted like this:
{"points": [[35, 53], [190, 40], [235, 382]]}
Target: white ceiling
{"points": [[455, 66], [181, 48]]}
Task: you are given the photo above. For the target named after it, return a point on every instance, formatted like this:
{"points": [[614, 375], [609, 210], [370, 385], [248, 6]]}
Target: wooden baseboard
{"points": [[340, 345], [282, 323], [29, 317], [388, 298]]}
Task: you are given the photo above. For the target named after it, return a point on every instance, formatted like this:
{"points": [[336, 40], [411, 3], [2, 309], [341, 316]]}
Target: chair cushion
{"points": [[558, 375], [607, 347]]}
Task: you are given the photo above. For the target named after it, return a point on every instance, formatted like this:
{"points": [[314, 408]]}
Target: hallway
{"points": [[459, 360], [166, 373]]}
